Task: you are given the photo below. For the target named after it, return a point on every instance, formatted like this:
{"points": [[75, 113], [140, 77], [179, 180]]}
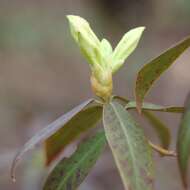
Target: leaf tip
{"points": [[184, 181], [12, 173], [14, 165], [139, 30], [72, 17], [142, 28], [183, 176]]}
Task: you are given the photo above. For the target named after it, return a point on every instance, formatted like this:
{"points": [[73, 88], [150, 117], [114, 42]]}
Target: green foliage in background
{"points": [[131, 149]]}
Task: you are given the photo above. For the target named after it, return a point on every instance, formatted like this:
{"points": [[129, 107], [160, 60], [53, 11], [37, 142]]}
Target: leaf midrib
{"points": [[83, 158], [127, 140]]}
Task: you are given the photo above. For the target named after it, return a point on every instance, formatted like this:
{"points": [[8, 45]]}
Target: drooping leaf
{"points": [[152, 71], [129, 146], [80, 123], [47, 132], [70, 172], [154, 107], [160, 128], [183, 142], [125, 47]]}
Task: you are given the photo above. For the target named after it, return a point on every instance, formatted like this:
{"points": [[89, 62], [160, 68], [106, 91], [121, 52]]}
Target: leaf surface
{"points": [[47, 132], [129, 146], [80, 123], [70, 172], [183, 142], [153, 70], [125, 47], [106, 48]]}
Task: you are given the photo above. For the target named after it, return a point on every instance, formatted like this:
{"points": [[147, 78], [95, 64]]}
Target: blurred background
{"points": [[43, 75]]}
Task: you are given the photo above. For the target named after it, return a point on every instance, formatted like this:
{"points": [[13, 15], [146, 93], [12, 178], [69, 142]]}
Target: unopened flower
{"points": [[100, 55]]}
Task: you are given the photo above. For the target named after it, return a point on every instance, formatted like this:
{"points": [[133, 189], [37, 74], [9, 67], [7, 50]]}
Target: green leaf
{"points": [[183, 142], [106, 48], [91, 53], [80, 25], [154, 107], [85, 38], [46, 133], [80, 123], [129, 146], [152, 71], [161, 129], [70, 172], [125, 47], [90, 46]]}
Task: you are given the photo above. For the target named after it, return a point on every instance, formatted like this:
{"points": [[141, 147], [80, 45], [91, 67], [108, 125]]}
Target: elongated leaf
{"points": [[125, 47], [161, 129], [85, 38], [47, 132], [70, 172], [80, 123], [152, 71], [129, 146], [183, 143], [154, 107]]}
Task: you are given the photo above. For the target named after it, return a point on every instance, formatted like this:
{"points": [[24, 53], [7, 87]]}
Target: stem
{"points": [[162, 150]]}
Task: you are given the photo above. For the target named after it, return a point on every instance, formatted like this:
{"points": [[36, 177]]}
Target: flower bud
{"points": [[102, 85], [102, 59], [97, 53]]}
